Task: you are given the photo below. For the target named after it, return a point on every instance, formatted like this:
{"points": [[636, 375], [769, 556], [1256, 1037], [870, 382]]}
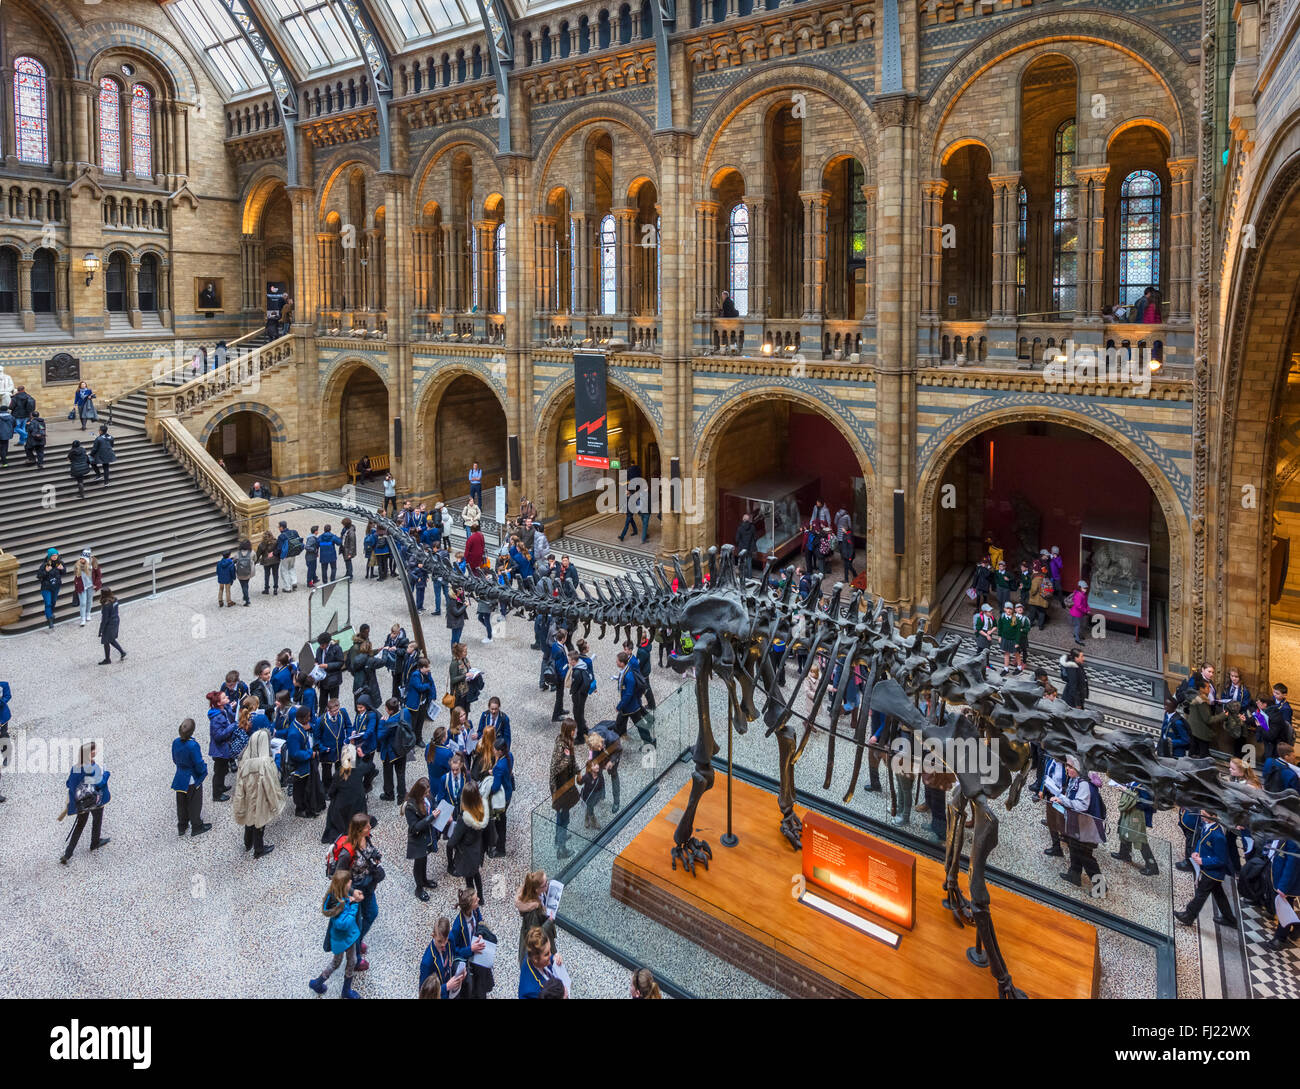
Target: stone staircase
{"points": [[152, 505]]}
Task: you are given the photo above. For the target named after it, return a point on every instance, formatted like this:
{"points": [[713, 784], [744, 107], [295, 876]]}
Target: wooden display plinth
{"points": [[743, 910]]}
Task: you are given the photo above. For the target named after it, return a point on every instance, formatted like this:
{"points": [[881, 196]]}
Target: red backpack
{"points": [[332, 854]]}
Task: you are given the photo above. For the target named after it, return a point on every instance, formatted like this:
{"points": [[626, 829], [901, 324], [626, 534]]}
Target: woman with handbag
{"points": [[83, 405], [87, 795], [564, 784], [420, 835], [465, 843], [358, 855], [258, 797], [87, 581]]}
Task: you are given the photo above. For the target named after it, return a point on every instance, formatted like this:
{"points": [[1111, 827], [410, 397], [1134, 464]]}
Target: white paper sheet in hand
{"points": [[551, 901], [1286, 915], [442, 815], [487, 957], [560, 972]]}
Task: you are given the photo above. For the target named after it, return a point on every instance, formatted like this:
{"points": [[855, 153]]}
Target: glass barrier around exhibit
{"points": [[1133, 913]]}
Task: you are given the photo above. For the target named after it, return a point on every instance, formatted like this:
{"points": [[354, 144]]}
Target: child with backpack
{"points": [[342, 932], [225, 579], [311, 551]]}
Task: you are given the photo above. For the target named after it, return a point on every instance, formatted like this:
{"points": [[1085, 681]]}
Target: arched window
{"points": [[473, 267], [8, 280], [501, 267], [1065, 224], [31, 123], [115, 284], [659, 265], [1139, 235], [1022, 245], [43, 282], [608, 258], [738, 254], [141, 132], [147, 283], [110, 126]]}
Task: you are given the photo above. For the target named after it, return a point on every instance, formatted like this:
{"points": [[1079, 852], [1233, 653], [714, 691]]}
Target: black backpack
{"points": [[295, 543], [403, 737]]}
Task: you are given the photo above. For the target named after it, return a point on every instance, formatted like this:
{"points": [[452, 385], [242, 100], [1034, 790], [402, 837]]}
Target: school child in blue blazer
{"points": [[5, 697], [420, 692], [497, 719], [86, 776], [331, 730], [393, 761], [503, 780], [1210, 853], [191, 770], [298, 748]]}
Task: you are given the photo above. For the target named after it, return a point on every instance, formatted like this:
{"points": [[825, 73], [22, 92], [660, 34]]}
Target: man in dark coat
{"points": [[747, 541], [78, 466], [23, 404], [101, 453], [329, 656], [1076, 679]]}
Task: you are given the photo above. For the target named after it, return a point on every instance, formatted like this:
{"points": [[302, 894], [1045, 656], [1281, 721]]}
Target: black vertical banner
{"points": [[589, 412]]}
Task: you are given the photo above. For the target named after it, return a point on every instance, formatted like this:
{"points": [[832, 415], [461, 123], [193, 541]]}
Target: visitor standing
{"points": [[109, 625], [476, 484], [83, 404], [101, 453], [87, 581], [244, 562], [268, 555], [191, 770], [87, 796]]}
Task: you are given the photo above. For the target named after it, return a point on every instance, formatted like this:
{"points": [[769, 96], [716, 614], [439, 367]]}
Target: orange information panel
{"points": [[860, 869]]}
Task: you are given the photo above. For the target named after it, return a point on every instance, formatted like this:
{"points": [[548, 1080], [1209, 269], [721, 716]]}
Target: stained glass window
{"points": [[30, 118], [1065, 224], [110, 126], [608, 265], [501, 268], [141, 132], [858, 218], [1022, 246], [738, 250], [1139, 235]]}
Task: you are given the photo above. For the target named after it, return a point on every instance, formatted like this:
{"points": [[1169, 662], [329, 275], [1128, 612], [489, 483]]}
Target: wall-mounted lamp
{"points": [[92, 266]]}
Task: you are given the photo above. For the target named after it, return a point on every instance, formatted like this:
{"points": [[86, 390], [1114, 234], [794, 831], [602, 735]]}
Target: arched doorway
{"points": [[586, 499], [774, 458], [242, 441], [115, 284], [147, 284], [1006, 485], [43, 282], [469, 425], [8, 280], [363, 417]]}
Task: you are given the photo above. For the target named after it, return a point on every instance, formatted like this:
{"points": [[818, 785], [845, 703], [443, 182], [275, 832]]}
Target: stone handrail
{"points": [[243, 369], [248, 516], [10, 609]]}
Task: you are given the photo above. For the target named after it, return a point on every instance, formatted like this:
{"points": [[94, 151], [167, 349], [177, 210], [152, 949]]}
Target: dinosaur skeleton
{"points": [[738, 623]]}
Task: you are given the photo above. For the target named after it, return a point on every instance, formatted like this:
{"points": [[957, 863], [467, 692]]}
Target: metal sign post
{"points": [[153, 561]]}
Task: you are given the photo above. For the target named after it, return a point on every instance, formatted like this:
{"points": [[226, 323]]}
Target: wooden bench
{"points": [[378, 464]]}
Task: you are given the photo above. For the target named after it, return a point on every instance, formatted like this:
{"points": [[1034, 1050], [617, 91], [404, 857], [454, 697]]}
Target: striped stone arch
{"points": [[333, 169], [591, 113], [1049, 33], [422, 174], [783, 77], [26, 247], [334, 376], [435, 380], [279, 433], [937, 453], [102, 37]]}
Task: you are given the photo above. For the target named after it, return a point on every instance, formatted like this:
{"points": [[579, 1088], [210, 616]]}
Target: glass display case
{"points": [[1116, 563], [776, 506]]}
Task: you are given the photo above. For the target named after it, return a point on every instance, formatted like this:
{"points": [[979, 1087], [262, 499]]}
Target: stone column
{"points": [[375, 243], [164, 293], [1006, 225], [932, 248], [869, 256], [1091, 182], [485, 230], [61, 272], [815, 202], [133, 293], [25, 293], [450, 265], [758, 292], [545, 299], [1181, 173], [306, 261], [82, 97], [581, 258], [625, 261], [706, 257], [250, 260]]}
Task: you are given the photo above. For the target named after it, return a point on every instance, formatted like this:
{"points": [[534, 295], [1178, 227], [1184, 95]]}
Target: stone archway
{"points": [[1263, 314], [462, 419], [1172, 508], [714, 426], [341, 439]]}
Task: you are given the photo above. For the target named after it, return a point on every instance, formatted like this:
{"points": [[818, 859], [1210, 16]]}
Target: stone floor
{"points": [[199, 918]]}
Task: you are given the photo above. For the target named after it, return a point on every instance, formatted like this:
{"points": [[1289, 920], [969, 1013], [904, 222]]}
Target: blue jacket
{"points": [[328, 542], [388, 734], [1285, 775], [282, 544], [420, 689], [1212, 846], [559, 660], [629, 702], [461, 934], [5, 697], [332, 736], [503, 776], [440, 764], [282, 679], [225, 571], [368, 727], [344, 930], [1175, 732], [75, 778], [1286, 868], [523, 565], [299, 748], [308, 700], [190, 768], [531, 979], [448, 788], [502, 725], [441, 963], [222, 724]]}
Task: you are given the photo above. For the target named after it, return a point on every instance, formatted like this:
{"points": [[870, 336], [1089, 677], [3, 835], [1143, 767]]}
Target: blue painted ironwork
{"points": [[496, 24], [375, 54], [663, 16], [278, 78]]}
